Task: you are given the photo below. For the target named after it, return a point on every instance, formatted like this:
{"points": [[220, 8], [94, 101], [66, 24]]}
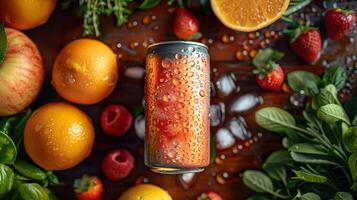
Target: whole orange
{"points": [[58, 136], [85, 71], [26, 14]]}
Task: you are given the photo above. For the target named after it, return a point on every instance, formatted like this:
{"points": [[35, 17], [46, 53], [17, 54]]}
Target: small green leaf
{"points": [[310, 196], [274, 119], [332, 113], [258, 197], [8, 150], [3, 43], [349, 139], [343, 196], [328, 95], [308, 148], [311, 159], [265, 56], [258, 181], [335, 75], [352, 164], [310, 177], [147, 4], [280, 157], [276, 172], [297, 80], [354, 187]]}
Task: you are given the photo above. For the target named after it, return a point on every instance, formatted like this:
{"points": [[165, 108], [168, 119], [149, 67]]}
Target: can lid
{"points": [[177, 42]]}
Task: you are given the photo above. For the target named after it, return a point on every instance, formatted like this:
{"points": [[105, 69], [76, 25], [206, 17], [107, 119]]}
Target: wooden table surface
{"points": [[230, 52]]}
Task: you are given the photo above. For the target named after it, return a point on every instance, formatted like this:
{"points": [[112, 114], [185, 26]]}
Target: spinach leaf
{"points": [[274, 119], [8, 150], [309, 176], [258, 181], [29, 170], [327, 95], [335, 75], [30, 191], [297, 80], [352, 164], [19, 128], [343, 196], [6, 180], [6, 124], [332, 113], [349, 139]]}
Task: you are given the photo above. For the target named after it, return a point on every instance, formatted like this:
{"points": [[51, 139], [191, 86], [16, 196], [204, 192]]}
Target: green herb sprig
{"points": [[92, 9], [320, 156]]}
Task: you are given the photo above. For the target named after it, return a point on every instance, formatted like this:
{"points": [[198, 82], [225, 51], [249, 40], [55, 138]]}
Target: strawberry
{"points": [[118, 164], [269, 75], [339, 22], [306, 42], [209, 196], [186, 25], [88, 188]]}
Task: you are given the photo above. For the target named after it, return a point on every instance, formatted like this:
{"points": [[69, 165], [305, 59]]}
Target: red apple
{"points": [[21, 74]]}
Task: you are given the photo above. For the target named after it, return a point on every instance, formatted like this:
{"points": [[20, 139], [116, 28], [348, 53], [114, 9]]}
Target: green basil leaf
{"points": [[276, 172], [258, 181], [8, 150], [332, 113], [311, 159], [308, 148], [286, 143], [30, 191], [29, 170], [349, 139], [335, 75], [309, 177], [6, 124], [310, 196], [297, 80], [6, 180], [274, 119], [342, 196], [258, 197], [280, 157], [147, 4], [352, 164], [3, 43]]}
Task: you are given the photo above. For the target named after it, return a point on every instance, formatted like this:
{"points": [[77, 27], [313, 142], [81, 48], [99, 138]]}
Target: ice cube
{"points": [[135, 72], [227, 84], [187, 178], [139, 126], [217, 113], [224, 138], [238, 128], [245, 102]]}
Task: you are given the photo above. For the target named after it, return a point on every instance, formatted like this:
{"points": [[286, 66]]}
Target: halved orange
{"points": [[248, 15]]}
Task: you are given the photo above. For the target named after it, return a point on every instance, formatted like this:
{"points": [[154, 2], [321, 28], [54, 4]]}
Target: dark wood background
{"points": [[230, 52]]}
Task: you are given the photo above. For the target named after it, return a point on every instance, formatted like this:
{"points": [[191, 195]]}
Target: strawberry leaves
{"points": [[265, 61]]}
